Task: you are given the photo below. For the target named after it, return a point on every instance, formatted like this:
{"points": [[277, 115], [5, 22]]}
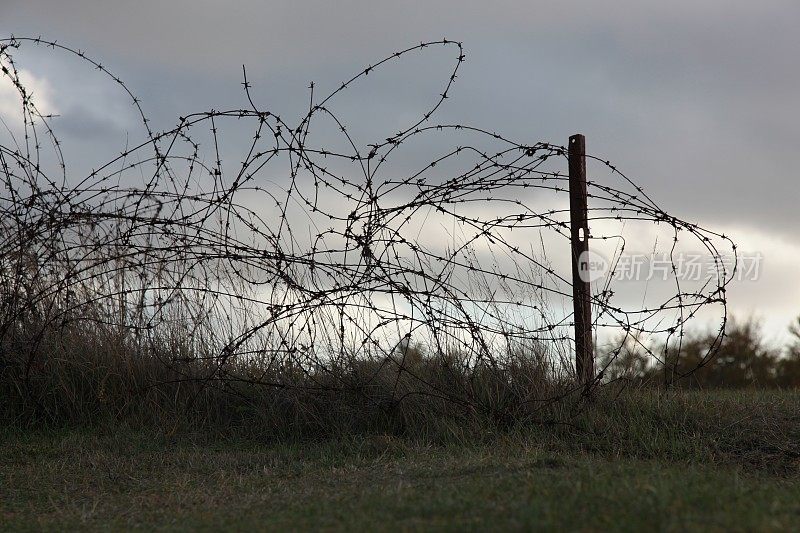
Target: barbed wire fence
{"points": [[299, 260]]}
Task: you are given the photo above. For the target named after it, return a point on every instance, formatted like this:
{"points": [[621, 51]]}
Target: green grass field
{"points": [[700, 461]]}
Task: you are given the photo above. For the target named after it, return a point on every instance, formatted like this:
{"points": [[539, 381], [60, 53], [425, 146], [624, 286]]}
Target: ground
{"points": [[103, 479]]}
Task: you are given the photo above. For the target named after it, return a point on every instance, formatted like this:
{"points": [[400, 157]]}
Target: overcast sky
{"points": [[698, 101]]}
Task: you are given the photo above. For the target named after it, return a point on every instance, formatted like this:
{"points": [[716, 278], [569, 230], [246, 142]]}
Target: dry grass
{"points": [[93, 375]]}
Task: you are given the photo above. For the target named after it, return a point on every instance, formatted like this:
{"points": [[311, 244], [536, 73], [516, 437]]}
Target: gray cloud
{"points": [[81, 122]]}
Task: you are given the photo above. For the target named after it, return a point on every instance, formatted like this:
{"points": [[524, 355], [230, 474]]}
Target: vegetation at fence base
{"points": [[671, 461], [93, 374]]}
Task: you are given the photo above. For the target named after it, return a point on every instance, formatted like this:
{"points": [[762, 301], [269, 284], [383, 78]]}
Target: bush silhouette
{"points": [[744, 360]]}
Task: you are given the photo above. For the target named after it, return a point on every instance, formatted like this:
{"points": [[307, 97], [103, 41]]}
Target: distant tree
{"points": [[794, 330], [744, 359], [789, 366]]}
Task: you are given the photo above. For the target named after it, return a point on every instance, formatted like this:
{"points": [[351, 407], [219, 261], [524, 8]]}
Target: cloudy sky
{"points": [[698, 101]]}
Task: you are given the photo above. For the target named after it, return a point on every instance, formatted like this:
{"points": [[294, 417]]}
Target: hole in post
{"points": [[581, 234]]}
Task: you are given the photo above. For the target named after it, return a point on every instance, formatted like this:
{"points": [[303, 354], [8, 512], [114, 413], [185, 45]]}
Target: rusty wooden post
{"points": [[579, 236]]}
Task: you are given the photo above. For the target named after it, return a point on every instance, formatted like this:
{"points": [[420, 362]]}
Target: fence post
{"points": [[579, 237]]}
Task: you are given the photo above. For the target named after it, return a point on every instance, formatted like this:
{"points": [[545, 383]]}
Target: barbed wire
{"points": [[301, 259]]}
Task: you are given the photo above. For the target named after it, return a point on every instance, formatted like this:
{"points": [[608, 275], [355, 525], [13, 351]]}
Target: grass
{"points": [[707, 460]]}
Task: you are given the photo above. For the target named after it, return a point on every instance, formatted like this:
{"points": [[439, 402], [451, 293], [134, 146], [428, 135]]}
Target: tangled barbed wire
{"points": [[299, 260]]}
